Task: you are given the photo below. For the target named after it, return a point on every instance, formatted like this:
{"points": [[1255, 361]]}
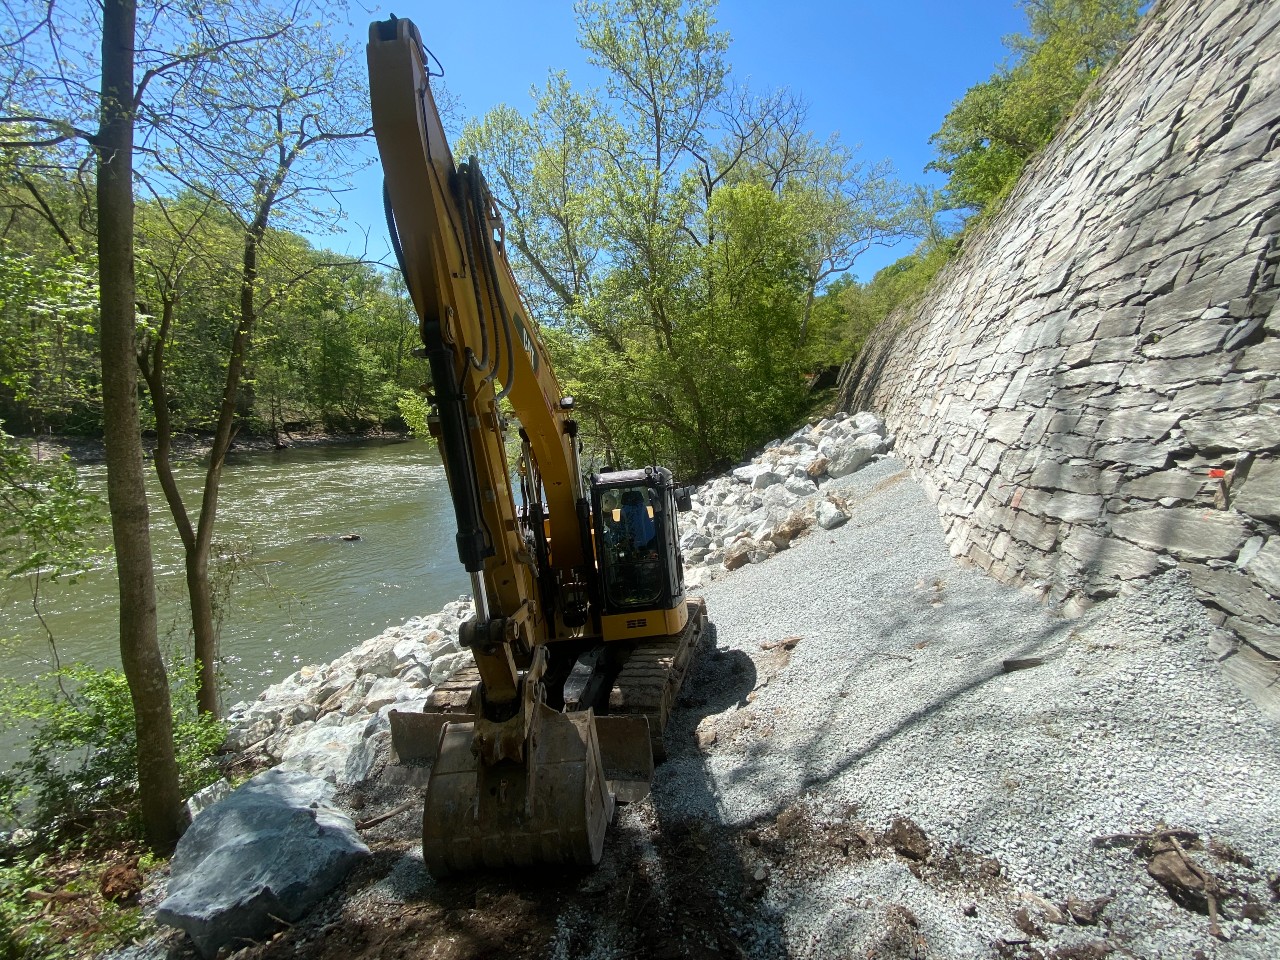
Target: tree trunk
{"points": [[202, 627], [808, 312], [161, 800], [206, 639]]}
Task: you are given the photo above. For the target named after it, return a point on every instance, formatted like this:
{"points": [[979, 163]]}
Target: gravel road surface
{"points": [[893, 702]]}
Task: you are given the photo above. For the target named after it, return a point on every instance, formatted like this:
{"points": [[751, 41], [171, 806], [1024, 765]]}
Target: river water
{"points": [[302, 594]]}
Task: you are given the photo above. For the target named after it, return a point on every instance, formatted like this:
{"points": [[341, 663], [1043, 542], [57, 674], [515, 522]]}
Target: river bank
{"points": [[300, 593], [87, 451], [880, 753]]}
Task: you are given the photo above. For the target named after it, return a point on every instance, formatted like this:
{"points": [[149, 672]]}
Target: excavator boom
{"points": [[573, 586]]}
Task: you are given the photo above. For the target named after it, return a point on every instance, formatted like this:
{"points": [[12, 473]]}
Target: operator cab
{"points": [[638, 552]]}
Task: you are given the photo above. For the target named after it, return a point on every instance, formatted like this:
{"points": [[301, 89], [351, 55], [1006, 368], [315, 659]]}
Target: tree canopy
{"points": [[991, 132], [672, 230]]}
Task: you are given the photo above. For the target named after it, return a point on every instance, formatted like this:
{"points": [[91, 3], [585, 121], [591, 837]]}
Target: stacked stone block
{"points": [[1091, 391]]}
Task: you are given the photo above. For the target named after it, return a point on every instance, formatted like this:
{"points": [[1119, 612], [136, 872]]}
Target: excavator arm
{"points": [[517, 779], [516, 782], [482, 347]]}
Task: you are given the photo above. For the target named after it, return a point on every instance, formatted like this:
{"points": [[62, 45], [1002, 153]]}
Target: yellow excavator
{"points": [[582, 632]]}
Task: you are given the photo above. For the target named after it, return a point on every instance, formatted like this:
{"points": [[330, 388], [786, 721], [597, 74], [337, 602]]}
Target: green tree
{"points": [[268, 125], [990, 134], [676, 228], [66, 85], [49, 518], [48, 317]]}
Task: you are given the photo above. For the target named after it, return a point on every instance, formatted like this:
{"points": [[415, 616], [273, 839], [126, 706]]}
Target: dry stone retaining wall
{"points": [[1091, 392]]}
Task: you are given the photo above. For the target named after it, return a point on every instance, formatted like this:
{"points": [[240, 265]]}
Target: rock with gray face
{"points": [[800, 486], [450, 664], [866, 423], [779, 496], [693, 539], [271, 849], [1259, 496], [762, 481], [829, 447], [332, 751], [847, 460], [385, 690], [830, 515], [748, 473], [202, 800]]}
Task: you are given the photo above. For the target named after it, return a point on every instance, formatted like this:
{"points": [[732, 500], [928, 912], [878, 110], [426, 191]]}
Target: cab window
{"points": [[630, 555]]}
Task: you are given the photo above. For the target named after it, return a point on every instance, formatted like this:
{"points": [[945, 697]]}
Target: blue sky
{"points": [[880, 73]]}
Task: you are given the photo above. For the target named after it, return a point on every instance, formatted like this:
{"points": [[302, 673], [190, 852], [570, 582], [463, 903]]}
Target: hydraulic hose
{"points": [[393, 232], [468, 233], [477, 196]]}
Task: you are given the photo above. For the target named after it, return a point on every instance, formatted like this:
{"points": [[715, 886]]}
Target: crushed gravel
{"points": [[894, 700]]}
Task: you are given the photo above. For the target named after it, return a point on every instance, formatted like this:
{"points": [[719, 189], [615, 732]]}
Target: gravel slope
{"points": [[893, 703]]}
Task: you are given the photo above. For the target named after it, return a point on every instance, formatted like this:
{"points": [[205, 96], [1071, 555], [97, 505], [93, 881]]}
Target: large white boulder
{"points": [[848, 459], [331, 750]]}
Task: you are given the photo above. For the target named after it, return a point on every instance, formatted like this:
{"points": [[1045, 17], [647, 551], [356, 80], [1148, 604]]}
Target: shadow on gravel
{"points": [[703, 900], [825, 762], [672, 885]]}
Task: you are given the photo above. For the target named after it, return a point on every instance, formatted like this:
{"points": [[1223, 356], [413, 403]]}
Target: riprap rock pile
{"points": [[754, 511]]}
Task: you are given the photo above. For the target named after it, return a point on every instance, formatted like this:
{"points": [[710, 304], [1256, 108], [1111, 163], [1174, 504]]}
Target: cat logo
{"points": [[526, 341], [637, 624]]}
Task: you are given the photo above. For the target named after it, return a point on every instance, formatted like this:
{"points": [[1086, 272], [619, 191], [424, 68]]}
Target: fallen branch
{"points": [[786, 643], [57, 896], [1209, 882], [384, 817], [1151, 837]]}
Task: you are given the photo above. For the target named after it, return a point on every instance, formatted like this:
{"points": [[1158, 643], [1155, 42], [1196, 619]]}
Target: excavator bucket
{"points": [[627, 756], [553, 808]]}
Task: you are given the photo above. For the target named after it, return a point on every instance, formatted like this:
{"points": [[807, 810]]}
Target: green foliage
{"points": [[672, 231], [332, 346], [51, 906], [850, 311], [24, 930], [414, 410], [48, 313], [80, 771], [49, 519], [992, 132]]}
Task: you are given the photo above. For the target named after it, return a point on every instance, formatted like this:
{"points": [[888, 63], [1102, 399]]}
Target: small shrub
{"points": [[23, 931], [79, 776], [52, 907], [415, 409]]}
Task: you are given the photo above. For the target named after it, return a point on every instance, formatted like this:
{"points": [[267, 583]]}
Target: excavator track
{"points": [[646, 686], [451, 695], [650, 679]]}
